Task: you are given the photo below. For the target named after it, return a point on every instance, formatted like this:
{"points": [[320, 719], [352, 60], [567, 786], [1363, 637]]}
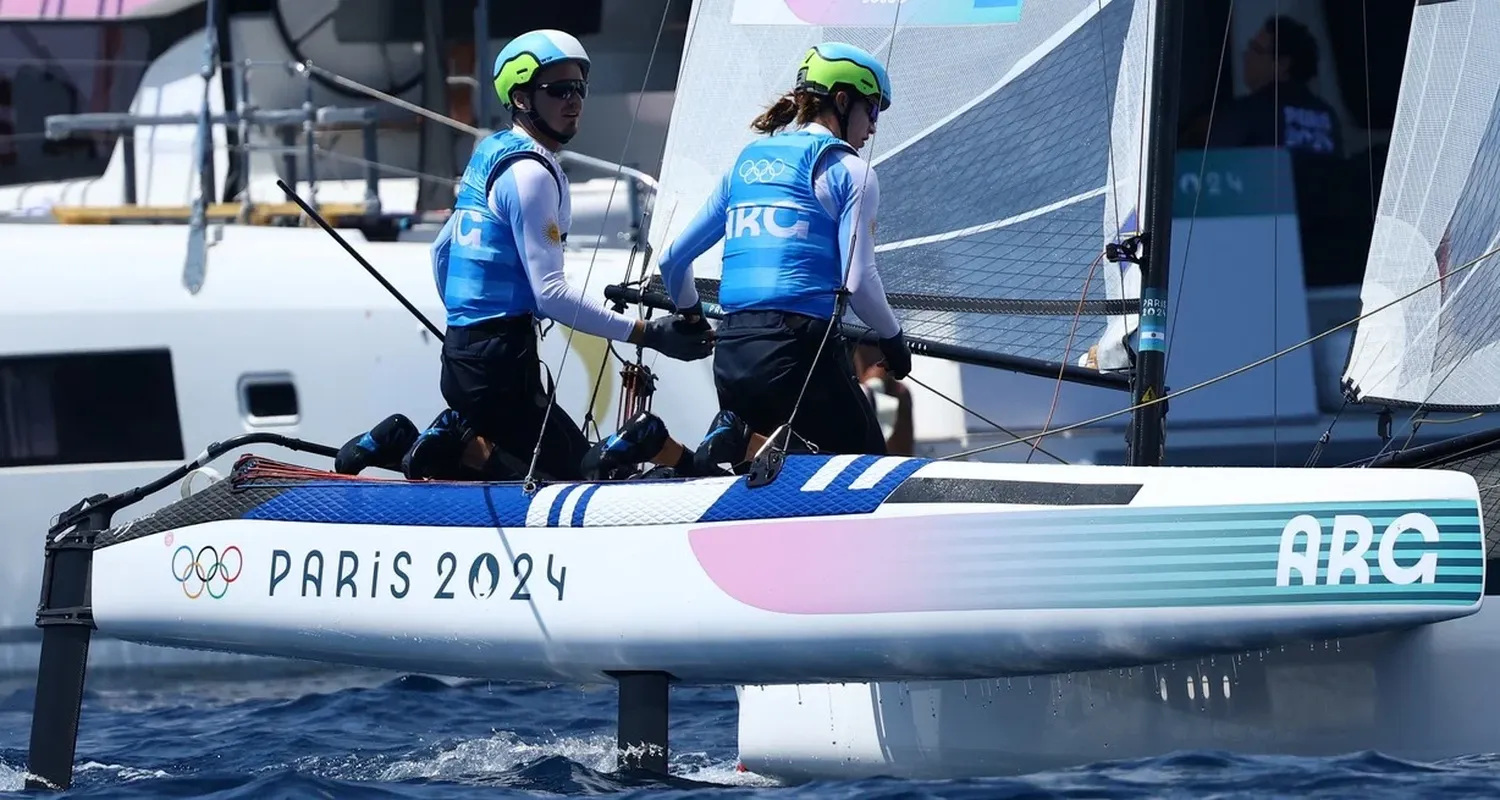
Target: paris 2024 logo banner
{"points": [[875, 13]]}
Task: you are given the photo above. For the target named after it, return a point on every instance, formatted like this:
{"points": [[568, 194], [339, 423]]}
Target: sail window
{"points": [[88, 408]]}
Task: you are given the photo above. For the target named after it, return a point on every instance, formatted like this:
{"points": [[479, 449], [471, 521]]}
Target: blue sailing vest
{"points": [[478, 269], [781, 247]]}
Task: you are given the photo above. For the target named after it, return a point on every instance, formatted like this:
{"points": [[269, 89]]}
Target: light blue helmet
{"points": [[830, 65], [525, 55]]}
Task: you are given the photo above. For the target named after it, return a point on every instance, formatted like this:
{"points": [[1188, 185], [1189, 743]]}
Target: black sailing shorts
{"points": [[761, 359], [492, 377]]}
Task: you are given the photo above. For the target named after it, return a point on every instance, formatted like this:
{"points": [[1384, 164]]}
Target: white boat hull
{"points": [[1415, 694], [843, 568]]}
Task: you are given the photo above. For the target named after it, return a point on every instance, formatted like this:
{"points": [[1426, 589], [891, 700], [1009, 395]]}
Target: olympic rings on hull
{"points": [[207, 570]]}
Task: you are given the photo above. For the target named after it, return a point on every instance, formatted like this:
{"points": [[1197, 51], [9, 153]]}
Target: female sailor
{"points": [[796, 207]]}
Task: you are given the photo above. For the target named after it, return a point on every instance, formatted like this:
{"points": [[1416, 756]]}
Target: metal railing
{"points": [[305, 122]]}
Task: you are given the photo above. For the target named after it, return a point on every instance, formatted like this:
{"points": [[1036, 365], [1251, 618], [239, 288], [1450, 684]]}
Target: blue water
{"points": [[376, 735]]}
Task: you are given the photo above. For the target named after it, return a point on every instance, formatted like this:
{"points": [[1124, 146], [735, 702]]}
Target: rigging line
{"points": [[840, 297], [1067, 353], [588, 417], [640, 309], [986, 420], [1187, 247], [478, 133], [643, 311], [536, 451], [1317, 451], [334, 155], [643, 234], [1227, 375], [1277, 128]]}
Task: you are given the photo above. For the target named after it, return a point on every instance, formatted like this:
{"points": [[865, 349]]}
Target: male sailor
{"points": [[498, 264], [796, 206]]}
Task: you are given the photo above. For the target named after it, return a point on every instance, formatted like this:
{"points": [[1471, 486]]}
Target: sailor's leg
{"points": [[761, 361], [758, 367], [836, 413], [438, 450], [563, 448], [644, 438], [382, 446], [485, 380]]}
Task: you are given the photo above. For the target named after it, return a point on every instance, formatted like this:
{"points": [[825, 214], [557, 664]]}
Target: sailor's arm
{"points": [[855, 192], [702, 232], [527, 195]]}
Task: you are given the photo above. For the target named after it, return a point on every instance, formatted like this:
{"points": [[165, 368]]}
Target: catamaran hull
{"points": [[843, 568], [1414, 693]]}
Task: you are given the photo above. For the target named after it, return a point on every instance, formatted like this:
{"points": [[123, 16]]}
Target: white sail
{"points": [[994, 159], [1438, 213]]}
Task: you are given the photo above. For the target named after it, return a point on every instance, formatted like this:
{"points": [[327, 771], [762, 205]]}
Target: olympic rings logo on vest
{"points": [[753, 171], [207, 569]]}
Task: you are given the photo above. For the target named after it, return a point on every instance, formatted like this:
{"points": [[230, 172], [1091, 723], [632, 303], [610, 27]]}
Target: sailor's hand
{"points": [[674, 338], [691, 319], [897, 356]]}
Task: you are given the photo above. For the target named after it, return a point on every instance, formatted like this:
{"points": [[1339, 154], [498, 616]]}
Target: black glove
{"points": [[897, 356], [699, 323], [676, 338]]}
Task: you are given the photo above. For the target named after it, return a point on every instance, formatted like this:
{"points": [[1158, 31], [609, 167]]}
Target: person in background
{"points": [[890, 397], [1281, 109]]}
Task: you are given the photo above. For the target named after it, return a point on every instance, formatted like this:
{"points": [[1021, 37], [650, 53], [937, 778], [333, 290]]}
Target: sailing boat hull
{"points": [[842, 568], [1407, 694]]}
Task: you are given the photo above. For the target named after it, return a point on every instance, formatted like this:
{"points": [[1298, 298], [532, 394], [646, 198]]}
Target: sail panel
{"points": [[996, 173], [1438, 221]]}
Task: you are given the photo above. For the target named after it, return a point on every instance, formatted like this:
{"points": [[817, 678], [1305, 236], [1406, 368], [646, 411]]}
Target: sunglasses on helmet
{"points": [[564, 90]]}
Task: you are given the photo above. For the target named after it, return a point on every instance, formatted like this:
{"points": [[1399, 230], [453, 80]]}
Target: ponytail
{"points": [[794, 106], [781, 114]]}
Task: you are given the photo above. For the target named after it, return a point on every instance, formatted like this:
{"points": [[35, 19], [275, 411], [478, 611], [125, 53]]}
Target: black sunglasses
{"points": [[564, 90]]}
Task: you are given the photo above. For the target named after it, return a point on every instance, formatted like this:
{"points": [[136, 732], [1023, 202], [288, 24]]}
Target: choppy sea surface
{"points": [[362, 734]]}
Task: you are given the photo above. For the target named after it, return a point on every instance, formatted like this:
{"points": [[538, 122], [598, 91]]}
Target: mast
{"points": [[1147, 433]]}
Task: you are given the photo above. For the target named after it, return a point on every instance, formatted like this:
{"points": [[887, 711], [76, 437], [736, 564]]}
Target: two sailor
{"points": [[797, 206]]}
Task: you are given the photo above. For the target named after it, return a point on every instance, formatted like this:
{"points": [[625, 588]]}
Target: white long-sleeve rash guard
{"points": [[849, 190], [527, 195]]}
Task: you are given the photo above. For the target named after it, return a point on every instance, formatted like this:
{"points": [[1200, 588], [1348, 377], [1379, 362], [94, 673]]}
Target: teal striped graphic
{"points": [[1205, 556]]}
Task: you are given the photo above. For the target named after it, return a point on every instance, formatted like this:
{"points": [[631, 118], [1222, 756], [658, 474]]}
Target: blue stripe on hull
{"points": [[480, 505]]}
